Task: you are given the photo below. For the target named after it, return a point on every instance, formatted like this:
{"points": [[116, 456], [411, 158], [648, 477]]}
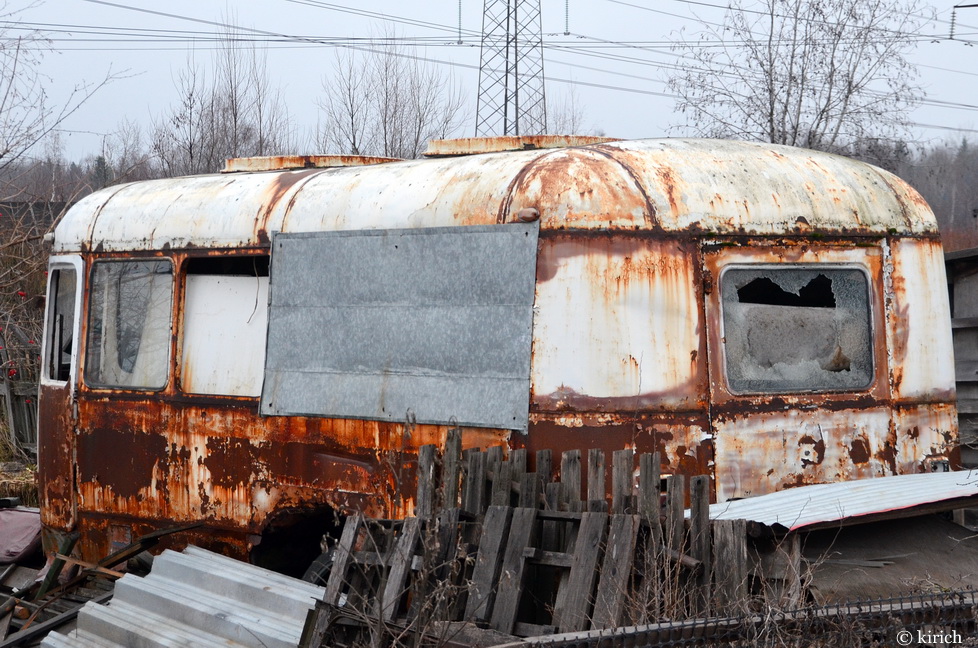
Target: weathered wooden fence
{"points": [[522, 547]]}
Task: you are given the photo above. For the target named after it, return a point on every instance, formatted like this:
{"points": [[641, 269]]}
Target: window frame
{"points": [[58, 263], [815, 266], [89, 313]]}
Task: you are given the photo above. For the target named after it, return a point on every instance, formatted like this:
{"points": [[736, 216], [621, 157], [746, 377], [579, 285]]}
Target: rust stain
{"points": [[859, 450], [665, 176], [813, 451], [282, 184]]}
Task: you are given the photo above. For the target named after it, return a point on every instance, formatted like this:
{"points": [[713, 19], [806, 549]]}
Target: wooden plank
{"points": [[517, 459], [595, 475], [396, 586], [452, 468], [616, 568], [530, 491], [425, 502], [622, 480], [71, 560], [448, 533], [779, 569], [318, 621], [729, 565], [494, 457], [544, 466], [488, 562], [65, 545], [675, 507], [649, 499], [532, 630], [475, 483], [539, 556], [699, 534], [512, 578], [343, 558], [570, 478], [572, 610], [502, 485]]}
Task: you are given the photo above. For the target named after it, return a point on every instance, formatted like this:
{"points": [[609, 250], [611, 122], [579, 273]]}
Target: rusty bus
{"points": [[244, 348]]}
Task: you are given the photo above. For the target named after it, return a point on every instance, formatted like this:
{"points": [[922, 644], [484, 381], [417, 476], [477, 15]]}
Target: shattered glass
{"points": [[796, 328]]}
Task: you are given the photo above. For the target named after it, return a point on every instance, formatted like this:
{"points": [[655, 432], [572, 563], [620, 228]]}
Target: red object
{"points": [[22, 293]]}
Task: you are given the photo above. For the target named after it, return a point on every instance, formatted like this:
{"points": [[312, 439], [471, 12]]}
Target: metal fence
{"points": [[927, 619]]}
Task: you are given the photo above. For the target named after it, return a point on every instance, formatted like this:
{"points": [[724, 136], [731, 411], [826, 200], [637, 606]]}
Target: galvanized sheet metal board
{"points": [[370, 324]]}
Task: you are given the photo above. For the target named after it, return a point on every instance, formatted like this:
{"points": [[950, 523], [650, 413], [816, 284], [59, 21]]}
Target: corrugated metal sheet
{"points": [[196, 598], [807, 506], [368, 324], [674, 185]]}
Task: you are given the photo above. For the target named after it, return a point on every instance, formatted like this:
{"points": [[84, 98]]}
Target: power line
{"points": [[368, 45]]}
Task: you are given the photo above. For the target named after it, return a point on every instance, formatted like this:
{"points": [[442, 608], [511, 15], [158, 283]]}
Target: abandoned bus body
{"points": [[244, 348]]}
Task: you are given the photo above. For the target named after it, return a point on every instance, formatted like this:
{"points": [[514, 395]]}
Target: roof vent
{"points": [[474, 145], [291, 162]]}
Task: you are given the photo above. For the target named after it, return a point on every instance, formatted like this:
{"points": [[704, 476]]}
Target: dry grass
{"points": [[21, 482]]}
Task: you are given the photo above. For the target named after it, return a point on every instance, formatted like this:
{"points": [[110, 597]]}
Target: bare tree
{"points": [[565, 115], [233, 112], [389, 102], [821, 74]]}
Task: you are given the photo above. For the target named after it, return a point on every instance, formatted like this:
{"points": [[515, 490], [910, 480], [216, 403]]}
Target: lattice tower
{"points": [[511, 83]]}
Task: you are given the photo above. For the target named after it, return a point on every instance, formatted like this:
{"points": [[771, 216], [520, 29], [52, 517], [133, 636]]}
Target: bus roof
{"points": [[670, 186]]}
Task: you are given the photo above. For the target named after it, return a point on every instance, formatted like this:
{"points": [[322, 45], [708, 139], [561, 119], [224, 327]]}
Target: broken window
{"points": [[225, 316], [61, 323], [129, 324], [796, 328]]}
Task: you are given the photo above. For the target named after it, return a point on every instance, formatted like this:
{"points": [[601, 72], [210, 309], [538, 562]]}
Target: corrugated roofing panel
{"points": [[808, 506], [197, 598]]}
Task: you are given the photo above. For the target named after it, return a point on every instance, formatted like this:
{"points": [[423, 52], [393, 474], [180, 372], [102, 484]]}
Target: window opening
{"points": [[129, 324], [225, 318], [794, 328], [61, 323]]}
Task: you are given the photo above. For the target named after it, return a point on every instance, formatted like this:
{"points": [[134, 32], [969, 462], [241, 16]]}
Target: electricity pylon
{"points": [[511, 88]]}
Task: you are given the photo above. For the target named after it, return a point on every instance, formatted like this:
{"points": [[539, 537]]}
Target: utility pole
{"points": [[511, 85]]}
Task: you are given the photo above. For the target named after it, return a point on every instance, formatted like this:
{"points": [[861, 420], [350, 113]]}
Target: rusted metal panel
{"points": [[762, 452], [683, 440], [292, 162], [919, 322], [371, 324], [926, 437], [164, 459], [682, 186], [472, 145], [55, 456], [618, 325]]}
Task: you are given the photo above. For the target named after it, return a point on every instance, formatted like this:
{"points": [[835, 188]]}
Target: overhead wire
{"points": [[367, 44]]}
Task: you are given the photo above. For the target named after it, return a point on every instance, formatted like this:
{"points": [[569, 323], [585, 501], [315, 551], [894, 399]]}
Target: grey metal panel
{"points": [[371, 323]]}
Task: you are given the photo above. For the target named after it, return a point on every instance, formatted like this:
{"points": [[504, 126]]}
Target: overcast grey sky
{"points": [[615, 58]]}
